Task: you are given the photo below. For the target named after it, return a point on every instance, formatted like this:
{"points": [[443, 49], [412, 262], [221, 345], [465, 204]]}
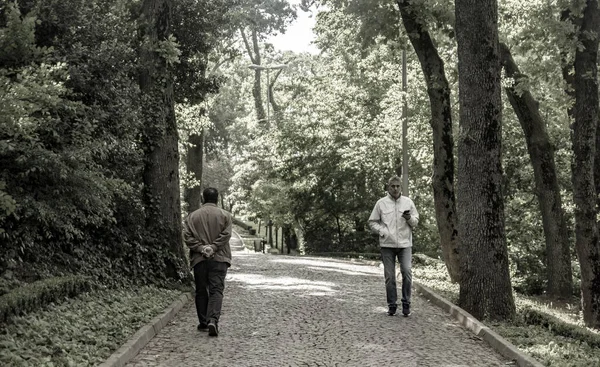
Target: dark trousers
{"points": [[209, 276], [388, 256]]}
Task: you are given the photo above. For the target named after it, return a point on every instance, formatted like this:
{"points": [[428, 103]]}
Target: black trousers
{"points": [[209, 276]]}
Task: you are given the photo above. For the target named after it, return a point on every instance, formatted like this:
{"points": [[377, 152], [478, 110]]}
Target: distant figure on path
{"points": [[393, 219], [206, 232]]}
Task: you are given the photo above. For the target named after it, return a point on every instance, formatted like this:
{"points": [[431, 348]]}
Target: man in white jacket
{"points": [[393, 219]]}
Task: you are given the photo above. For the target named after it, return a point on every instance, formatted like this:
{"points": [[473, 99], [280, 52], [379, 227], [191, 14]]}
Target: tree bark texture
{"points": [[485, 287], [194, 165], [584, 152], [161, 164], [541, 153], [438, 90]]}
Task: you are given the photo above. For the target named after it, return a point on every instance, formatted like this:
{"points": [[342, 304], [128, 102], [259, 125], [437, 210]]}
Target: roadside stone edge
{"points": [[469, 322], [501, 345], [133, 346]]}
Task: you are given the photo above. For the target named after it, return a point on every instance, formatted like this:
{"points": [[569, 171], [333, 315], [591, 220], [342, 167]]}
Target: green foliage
{"points": [[531, 316], [84, 331], [7, 205], [169, 51], [70, 152], [211, 22], [39, 294], [267, 17], [17, 45]]}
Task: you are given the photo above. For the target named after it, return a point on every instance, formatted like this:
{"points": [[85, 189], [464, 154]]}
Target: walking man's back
{"points": [[207, 232]]}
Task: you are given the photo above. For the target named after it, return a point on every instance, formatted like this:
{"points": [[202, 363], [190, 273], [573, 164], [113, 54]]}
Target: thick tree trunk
{"points": [[438, 90], [584, 150], [161, 165], [194, 165], [541, 153], [485, 288]]}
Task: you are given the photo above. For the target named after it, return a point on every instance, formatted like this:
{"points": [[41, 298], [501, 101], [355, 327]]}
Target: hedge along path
{"points": [[82, 331], [36, 295]]}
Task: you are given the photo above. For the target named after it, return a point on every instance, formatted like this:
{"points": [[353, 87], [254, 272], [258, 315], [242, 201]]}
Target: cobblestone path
{"points": [[301, 311]]}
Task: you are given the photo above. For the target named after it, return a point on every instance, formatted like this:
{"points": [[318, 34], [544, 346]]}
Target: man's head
{"points": [[210, 195], [394, 186]]}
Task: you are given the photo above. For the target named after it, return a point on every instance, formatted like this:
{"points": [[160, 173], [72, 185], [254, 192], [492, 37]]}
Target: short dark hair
{"points": [[210, 195]]}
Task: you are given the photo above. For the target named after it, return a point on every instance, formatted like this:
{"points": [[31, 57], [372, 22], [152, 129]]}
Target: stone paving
{"points": [[302, 311]]}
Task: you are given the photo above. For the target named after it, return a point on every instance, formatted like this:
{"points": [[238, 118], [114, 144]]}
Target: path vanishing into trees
{"points": [[292, 311]]}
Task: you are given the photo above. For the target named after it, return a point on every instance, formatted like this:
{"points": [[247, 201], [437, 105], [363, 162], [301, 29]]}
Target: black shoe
{"points": [[202, 327], [406, 310], [213, 329], [391, 311]]}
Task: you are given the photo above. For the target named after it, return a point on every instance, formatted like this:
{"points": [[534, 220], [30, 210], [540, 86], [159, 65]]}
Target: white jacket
{"points": [[386, 220]]}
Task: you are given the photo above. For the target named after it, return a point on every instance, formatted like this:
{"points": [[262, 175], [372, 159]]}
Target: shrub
{"points": [[41, 293], [535, 317]]}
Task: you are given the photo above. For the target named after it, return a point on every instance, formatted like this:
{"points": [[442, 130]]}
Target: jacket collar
{"points": [[392, 198]]}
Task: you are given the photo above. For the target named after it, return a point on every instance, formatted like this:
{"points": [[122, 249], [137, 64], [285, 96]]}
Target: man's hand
{"points": [[207, 251], [406, 214]]}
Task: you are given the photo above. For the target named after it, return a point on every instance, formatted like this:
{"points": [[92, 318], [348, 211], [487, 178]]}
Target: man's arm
{"points": [[194, 244], [413, 220], [225, 235], [375, 220]]}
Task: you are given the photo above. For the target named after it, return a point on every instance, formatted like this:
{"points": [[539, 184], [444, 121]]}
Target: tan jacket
{"points": [[387, 221], [208, 225]]}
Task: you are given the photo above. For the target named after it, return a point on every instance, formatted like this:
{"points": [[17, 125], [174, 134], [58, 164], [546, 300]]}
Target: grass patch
{"points": [[555, 336], [83, 331]]}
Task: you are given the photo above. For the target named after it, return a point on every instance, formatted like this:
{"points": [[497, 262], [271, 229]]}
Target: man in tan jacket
{"points": [[206, 232]]}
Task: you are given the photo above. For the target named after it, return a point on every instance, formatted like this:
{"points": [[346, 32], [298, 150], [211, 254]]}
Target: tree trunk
{"points": [[438, 90], [161, 162], [254, 54], [541, 153], [584, 152], [291, 241], [270, 226], [277, 110], [485, 288], [194, 165]]}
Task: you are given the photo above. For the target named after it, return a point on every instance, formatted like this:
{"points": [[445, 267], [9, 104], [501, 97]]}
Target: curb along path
{"points": [[302, 311]]}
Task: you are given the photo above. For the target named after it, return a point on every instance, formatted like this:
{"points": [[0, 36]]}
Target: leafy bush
{"points": [[84, 331], [41, 293], [532, 316], [70, 156]]}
